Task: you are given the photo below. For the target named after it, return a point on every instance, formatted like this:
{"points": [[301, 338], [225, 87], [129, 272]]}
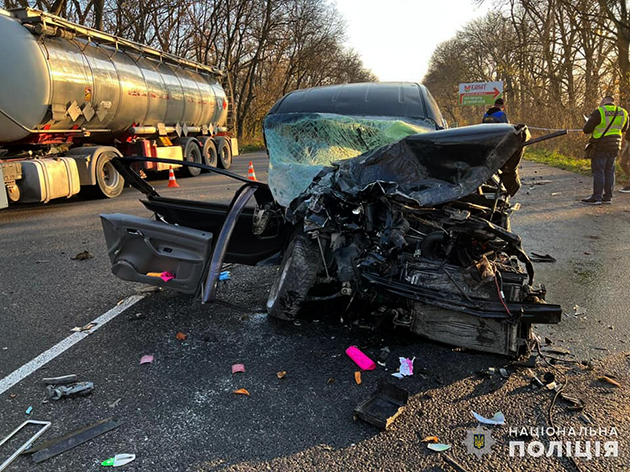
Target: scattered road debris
{"points": [[181, 336], [44, 426], [606, 379], [115, 403], [236, 368], [80, 329], [29, 410], [453, 463], [77, 389], [504, 373], [241, 391], [576, 404], [536, 382], [119, 460], [225, 275], [542, 258], [585, 418], [432, 439], [360, 359], [56, 446], [383, 406], [357, 377], [282, 374], [556, 350], [148, 359], [406, 367], [62, 380], [383, 356], [330, 381], [439, 447], [82, 256], [497, 419], [578, 310]]}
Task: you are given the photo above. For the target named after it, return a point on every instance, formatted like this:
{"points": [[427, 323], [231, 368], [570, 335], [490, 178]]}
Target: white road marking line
{"points": [[45, 357]]}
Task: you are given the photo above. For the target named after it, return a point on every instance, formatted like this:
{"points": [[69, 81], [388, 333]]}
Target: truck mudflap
{"points": [[4, 199]]}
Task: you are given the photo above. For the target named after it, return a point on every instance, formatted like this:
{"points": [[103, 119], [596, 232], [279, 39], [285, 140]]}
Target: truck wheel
{"points": [[209, 153], [225, 154], [298, 271], [192, 153], [109, 183]]}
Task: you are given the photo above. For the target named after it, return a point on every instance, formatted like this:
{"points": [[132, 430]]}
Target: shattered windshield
{"points": [[300, 145]]}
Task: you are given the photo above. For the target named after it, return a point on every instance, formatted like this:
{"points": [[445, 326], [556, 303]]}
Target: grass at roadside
{"points": [[251, 145], [573, 164]]}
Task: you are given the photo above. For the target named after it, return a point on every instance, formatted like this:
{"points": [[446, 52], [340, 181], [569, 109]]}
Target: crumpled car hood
{"points": [[422, 169]]}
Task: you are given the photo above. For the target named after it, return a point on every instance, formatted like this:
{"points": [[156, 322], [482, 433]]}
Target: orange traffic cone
{"points": [[171, 178], [251, 175]]}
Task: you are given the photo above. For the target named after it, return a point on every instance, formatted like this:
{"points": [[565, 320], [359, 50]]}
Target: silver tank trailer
{"points": [[64, 83]]}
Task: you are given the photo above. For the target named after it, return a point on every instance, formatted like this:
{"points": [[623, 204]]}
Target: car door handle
{"points": [[135, 232]]}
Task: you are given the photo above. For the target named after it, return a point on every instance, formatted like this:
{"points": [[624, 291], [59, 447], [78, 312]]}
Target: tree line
{"points": [[267, 48], [557, 58]]}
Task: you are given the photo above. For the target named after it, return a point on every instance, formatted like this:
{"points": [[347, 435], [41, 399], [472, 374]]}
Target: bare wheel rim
{"points": [[110, 175]]}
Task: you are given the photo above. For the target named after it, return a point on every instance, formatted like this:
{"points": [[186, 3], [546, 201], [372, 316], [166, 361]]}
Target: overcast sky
{"points": [[396, 38]]}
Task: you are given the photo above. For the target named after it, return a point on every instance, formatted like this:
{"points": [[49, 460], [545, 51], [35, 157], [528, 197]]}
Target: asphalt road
{"points": [[179, 412]]}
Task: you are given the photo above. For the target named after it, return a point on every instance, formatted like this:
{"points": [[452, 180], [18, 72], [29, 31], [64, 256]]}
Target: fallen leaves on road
{"points": [[605, 378], [82, 256], [330, 381], [80, 329], [357, 377], [181, 336], [241, 391], [282, 374], [432, 439]]}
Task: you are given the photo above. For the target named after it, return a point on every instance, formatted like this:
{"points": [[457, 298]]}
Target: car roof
{"points": [[399, 99]]}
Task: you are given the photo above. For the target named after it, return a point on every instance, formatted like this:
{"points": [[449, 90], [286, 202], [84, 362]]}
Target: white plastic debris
{"points": [[439, 447], [498, 418], [406, 367]]}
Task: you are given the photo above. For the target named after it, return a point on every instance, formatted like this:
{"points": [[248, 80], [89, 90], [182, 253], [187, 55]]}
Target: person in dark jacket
{"points": [[496, 113], [607, 124]]}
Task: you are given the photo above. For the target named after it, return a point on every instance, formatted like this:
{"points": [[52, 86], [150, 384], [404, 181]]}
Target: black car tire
{"points": [[298, 271]]}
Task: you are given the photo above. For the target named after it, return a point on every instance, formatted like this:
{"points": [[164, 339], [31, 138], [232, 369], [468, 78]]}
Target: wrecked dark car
{"points": [[370, 201]]}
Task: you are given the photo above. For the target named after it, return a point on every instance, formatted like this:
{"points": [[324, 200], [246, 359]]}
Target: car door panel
{"points": [[138, 246]]}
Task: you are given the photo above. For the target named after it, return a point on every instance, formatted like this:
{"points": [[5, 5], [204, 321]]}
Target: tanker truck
{"points": [[73, 98]]}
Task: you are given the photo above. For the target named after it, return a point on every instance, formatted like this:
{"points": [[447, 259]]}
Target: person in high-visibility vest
{"points": [[496, 114], [607, 124]]}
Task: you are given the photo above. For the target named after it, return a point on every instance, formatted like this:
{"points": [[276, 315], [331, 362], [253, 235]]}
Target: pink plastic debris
{"points": [[360, 359], [238, 368], [166, 276], [146, 359]]}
